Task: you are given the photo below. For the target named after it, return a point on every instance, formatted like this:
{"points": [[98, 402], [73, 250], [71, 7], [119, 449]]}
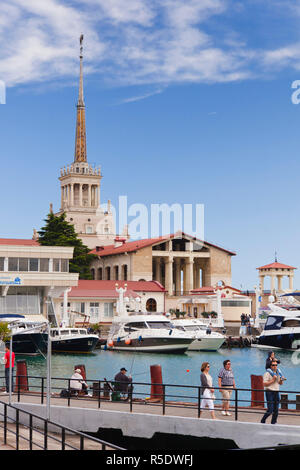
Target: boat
{"points": [[282, 327], [28, 337], [142, 332], [72, 340], [204, 339]]}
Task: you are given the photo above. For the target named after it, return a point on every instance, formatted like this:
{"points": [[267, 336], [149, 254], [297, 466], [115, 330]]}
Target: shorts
{"points": [[226, 392], [207, 400]]}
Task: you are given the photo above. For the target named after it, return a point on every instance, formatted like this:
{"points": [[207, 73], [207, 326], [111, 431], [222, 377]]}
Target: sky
{"points": [[186, 102]]}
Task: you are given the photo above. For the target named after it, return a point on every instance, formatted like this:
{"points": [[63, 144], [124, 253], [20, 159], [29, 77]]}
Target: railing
{"points": [[39, 426], [165, 396]]}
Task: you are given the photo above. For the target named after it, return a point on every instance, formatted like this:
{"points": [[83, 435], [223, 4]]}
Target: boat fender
{"points": [[127, 341], [140, 338], [118, 339], [111, 343], [170, 332], [105, 347]]}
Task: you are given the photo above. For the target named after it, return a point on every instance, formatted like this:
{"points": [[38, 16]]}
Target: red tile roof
{"points": [[276, 266], [106, 289], [135, 245], [18, 242]]}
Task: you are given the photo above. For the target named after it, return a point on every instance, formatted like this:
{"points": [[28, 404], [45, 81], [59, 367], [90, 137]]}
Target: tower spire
{"points": [[80, 141]]}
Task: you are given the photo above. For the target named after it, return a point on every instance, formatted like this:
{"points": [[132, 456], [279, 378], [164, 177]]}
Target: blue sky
{"points": [[186, 102]]}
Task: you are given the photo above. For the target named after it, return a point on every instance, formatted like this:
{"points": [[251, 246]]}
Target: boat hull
{"points": [[31, 344], [290, 341], [74, 345], [206, 344], [157, 345]]}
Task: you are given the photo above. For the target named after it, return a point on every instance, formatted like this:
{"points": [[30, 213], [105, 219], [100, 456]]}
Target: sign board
{"points": [[9, 281]]}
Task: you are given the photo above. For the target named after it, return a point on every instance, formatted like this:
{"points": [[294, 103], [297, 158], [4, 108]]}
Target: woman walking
{"points": [[208, 392]]}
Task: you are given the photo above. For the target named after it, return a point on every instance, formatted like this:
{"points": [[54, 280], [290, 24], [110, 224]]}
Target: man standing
{"points": [[9, 355], [226, 384], [272, 379]]}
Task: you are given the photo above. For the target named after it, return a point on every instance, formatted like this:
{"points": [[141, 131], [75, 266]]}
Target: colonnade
{"points": [[178, 275], [80, 194]]}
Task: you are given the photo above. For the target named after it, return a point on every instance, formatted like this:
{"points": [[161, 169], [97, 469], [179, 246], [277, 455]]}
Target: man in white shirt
{"points": [[272, 379], [77, 383]]}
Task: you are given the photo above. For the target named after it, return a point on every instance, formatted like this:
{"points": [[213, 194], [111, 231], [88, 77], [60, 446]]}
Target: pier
{"points": [[165, 420]]}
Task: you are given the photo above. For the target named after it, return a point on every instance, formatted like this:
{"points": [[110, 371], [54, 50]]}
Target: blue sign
{"points": [[7, 281]]}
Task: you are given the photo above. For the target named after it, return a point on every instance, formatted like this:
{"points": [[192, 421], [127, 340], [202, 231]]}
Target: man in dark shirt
{"points": [[122, 381]]}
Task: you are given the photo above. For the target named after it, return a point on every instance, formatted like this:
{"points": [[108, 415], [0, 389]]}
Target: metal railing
{"points": [[38, 426], [164, 396]]}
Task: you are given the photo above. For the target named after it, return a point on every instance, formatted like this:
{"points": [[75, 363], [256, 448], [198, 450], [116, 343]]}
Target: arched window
{"points": [[93, 273], [151, 305]]}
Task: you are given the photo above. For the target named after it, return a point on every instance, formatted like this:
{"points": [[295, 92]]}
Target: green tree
{"points": [[4, 332], [59, 232]]}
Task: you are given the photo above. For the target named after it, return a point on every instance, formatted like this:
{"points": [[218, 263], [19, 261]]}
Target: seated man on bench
{"points": [[122, 383], [77, 384]]}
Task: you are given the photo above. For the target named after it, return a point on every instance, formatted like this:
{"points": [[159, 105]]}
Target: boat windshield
{"points": [[273, 322], [159, 324]]}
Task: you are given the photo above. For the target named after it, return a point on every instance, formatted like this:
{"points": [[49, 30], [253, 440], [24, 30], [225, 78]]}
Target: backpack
{"points": [[65, 393]]}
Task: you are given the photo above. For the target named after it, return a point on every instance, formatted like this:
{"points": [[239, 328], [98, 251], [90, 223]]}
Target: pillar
{"points": [[80, 194], [261, 283], [291, 279], [272, 283], [72, 194], [89, 196], [279, 283], [157, 270], [178, 276], [189, 274], [169, 275]]}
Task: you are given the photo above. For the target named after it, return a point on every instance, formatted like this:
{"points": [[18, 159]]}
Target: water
{"points": [[179, 369]]}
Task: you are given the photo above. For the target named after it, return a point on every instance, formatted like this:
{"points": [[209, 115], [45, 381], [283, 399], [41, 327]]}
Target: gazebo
{"points": [[276, 271]]}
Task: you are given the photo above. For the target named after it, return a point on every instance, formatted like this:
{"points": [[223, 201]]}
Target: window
{"points": [[291, 323], [151, 305], [273, 323], [94, 311], [1, 264], [23, 264], [56, 265], [13, 264], [160, 325], [108, 309], [89, 229], [33, 264], [135, 325], [44, 265], [235, 303], [64, 265]]}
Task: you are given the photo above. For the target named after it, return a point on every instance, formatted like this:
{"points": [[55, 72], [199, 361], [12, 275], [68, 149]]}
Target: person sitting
{"points": [[77, 384], [123, 383]]}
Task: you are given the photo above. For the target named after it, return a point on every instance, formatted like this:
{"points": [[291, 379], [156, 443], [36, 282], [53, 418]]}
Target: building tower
{"points": [[80, 186]]}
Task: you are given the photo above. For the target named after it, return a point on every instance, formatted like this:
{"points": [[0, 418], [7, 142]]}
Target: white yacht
{"points": [[146, 333], [203, 338], [72, 340], [28, 337], [282, 327]]}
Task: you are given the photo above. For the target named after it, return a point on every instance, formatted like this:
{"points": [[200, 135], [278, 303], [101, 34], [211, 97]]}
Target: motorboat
{"points": [[28, 337], [146, 333], [204, 339], [72, 340], [282, 327]]}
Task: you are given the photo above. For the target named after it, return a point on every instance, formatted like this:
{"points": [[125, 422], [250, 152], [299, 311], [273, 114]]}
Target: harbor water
{"points": [[177, 369]]}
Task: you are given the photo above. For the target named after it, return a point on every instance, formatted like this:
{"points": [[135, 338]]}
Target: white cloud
{"points": [[126, 43]]}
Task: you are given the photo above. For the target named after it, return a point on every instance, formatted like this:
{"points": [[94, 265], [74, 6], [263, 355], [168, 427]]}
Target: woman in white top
{"points": [[208, 393]]}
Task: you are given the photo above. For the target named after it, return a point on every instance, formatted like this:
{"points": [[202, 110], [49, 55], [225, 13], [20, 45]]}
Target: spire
{"points": [[80, 141]]}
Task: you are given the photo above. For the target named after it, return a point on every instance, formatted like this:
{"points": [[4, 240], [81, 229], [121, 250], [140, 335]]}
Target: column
{"points": [[169, 275], [189, 274], [89, 196], [261, 283], [291, 279], [72, 194], [62, 197], [178, 276], [80, 194], [157, 270], [279, 283], [272, 283]]}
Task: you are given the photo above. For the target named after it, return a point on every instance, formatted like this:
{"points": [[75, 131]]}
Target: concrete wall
{"points": [[245, 435]]}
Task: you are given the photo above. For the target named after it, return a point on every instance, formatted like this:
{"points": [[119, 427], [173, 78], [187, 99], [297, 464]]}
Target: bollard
{"points": [[21, 377], [284, 401], [156, 383], [257, 392]]}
